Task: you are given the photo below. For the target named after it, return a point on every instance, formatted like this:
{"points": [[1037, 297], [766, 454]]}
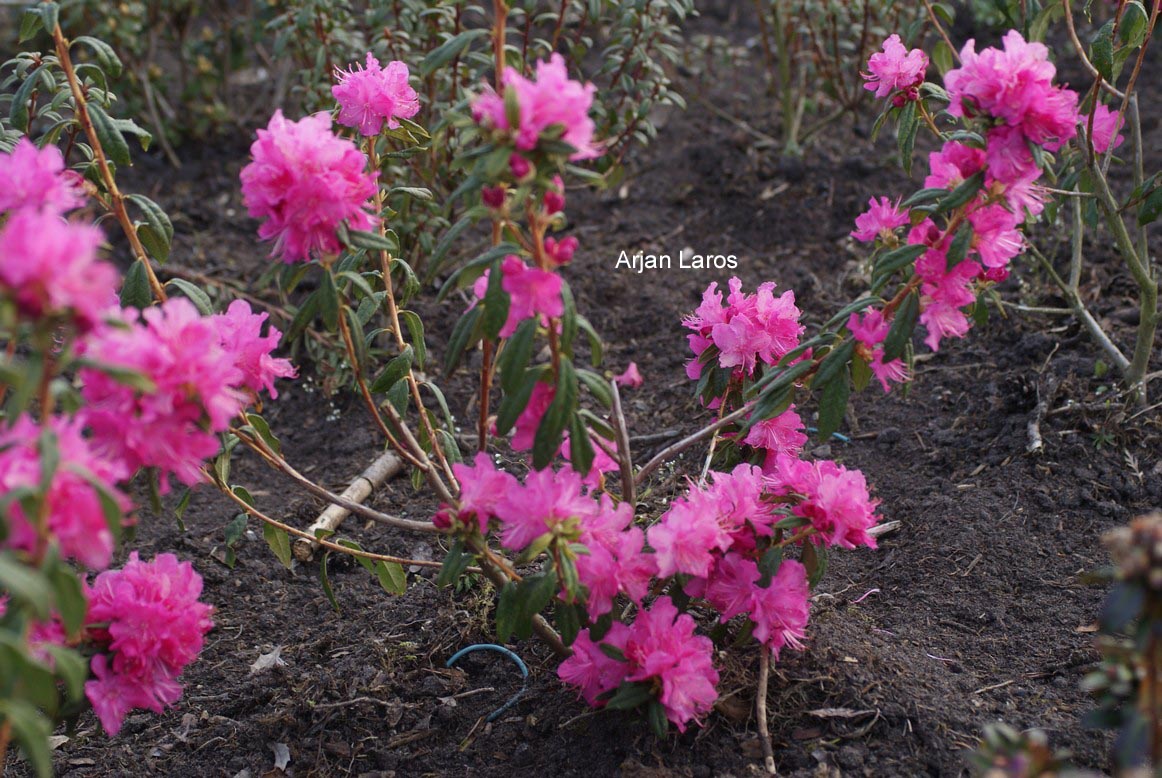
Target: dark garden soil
{"points": [[973, 611]]}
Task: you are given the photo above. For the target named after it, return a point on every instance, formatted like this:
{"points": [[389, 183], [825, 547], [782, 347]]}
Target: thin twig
{"points": [[761, 710], [628, 487]]}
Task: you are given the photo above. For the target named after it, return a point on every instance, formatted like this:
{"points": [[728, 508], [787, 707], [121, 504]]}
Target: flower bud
{"points": [[519, 166], [493, 196], [561, 252], [555, 198]]}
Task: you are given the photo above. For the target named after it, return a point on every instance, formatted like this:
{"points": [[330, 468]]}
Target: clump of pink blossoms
{"points": [[36, 179], [72, 503], [373, 96], [194, 395], [304, 182], [149, 622], [240, 333], [749, 329], [895, 69], [49, 268], [660, 648], [551, 99]]}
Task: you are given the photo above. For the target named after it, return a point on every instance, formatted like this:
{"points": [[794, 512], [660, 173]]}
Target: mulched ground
{"points": [[972, 612]]}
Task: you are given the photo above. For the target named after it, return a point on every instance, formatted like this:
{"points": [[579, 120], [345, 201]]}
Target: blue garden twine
{"points": [[524, 672]]}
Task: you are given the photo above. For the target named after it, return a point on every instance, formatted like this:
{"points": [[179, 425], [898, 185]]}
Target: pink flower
{"points": [[1008, 155], [996, 237], [894, 371], [36, 179], [631, 378], [492, 196], [561, 252], [1015, 86], [750, 329], [896, 69], [240, 334], [519, 166], [532, 292], [685, 539], [602, 462], [662, 647], [548, 502], [549, 100], [49, 268], [1106, 125], [731, 588], [835, 500], [869, 329], [152, 626], [597, 572], [72, 503], [372, 96], [780, 611], [305, 182], [591, 669], [525, 429], [635, 569], [882, 218], [953, 165], [482, 488], [194, 396], [781, 435]]}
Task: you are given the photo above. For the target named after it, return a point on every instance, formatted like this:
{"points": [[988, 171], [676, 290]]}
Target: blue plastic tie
{"points": [[837, 435], [524, 672]]}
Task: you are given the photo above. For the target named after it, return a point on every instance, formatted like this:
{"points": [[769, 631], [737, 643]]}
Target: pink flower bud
{"points": [[555, 197], [519, 166], [493, 196], [561, 252]]}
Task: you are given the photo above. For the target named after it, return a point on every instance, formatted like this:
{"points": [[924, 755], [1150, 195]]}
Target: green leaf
{"points": [[597, 386], [1135, 24], [900, 334], [1102, 51], [769, 564], [833, 363], [1123, 604], [581, 451], [49, 13], [449, 50], [415, 328], [110, 138], [958, 249], [418, 192], [31, 730], [71, 668], [200, 299], [496, 303], [833, 404], [325, 580], [629, 696], [455, 563], [961, 194], [507, 612], [374, 241], [547, 439], [392, 577], [474, 269], [942, 56], [514, 403], [568, 619], [304, 316], [395, 371], [135, 290], [263, 429], [887, 265], [906, 135], [19, 112], [26, 585], [815, 560], [515, 357], [596, 349], [68, 597], [861, 374], [329, 302], [279, 543], [465, 333], [30, 24], [568, 319], [1151, 207], [658, 721], [106, 57]]}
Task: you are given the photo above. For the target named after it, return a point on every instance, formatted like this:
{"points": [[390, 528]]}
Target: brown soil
{"points": [[973, 612]]}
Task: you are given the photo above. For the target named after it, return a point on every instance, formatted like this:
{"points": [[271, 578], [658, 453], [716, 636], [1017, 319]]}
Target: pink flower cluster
{"points": [[1013, 91], [197, 366], [147, 619], [1014, 86], [373, 96], [832, 498], [782, 434], [72, 501], [748, 329], [49, 267], [36, 179], [549, 100], [532, 292], [660, 649], [896, 70], [305, 182]]}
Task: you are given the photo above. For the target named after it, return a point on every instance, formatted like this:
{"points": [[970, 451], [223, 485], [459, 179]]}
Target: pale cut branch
{"points": [[383, 468]]}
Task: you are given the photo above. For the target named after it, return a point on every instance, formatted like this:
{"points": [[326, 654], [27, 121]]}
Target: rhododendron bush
{"points": [[107, 379]]}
